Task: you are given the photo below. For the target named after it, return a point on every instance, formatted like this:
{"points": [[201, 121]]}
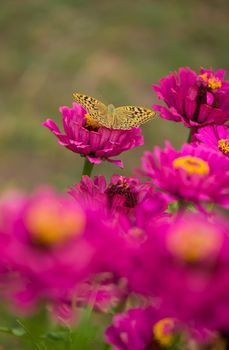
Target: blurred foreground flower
{"points": [[141, 329], [133, 209], [194, 99], [50, 245], [192, 256], [84, 136]]}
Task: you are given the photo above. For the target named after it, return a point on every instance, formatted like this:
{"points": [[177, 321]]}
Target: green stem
{"points": [[88, 167], [5, 330], [189, 140]]}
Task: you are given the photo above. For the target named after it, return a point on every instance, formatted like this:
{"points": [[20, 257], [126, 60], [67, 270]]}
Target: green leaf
{"points": [[56, 335], [18, 332], [5, 330]]}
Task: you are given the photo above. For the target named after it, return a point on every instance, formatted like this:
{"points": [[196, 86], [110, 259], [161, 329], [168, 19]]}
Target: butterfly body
{"points": [[121, 118], [111, 115]]}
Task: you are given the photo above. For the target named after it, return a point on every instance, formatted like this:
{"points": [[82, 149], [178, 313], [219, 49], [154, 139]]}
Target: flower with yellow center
{"points": [[50, 224], [195, 241], [122, 182], [192, 165], [136, 234], [163, 331], [90, 122], [223, 146], [212, 82]]}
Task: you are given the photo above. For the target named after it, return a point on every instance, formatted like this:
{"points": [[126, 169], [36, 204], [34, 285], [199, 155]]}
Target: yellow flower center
{"points": [[194, 242], [223, 146], [90, 122], [136, 232], [50, 224], [122, 181], [163, 331], [192, 165], [212, 82]]}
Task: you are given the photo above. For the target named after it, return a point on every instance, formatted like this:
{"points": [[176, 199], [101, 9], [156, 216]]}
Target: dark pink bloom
{"points": [[83, 136], [186, 264], [194, 99], [134, 206], [194, 174], [122, 194], [141, 329], [214, 136]]}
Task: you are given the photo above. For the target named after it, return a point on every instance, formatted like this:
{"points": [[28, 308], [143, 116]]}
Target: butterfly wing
{"points": [[128, 117], [95, 108]]}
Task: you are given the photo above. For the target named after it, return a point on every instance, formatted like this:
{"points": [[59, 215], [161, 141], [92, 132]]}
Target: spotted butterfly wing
{"points": [[96, 109], [128, 117]]}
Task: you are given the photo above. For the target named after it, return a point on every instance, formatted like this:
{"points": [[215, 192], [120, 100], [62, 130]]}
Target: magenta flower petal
{"points": [[169, 115], [210, 98], [117, 162], [94, 160], [190, 107], [51, 126]]}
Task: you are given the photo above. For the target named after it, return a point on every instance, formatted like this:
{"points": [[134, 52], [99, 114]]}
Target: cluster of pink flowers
{"points": [[152, 249]]}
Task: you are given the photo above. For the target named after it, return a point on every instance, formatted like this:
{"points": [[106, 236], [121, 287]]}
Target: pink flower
{"points": [[141, 329], [53, 244], [101, 293], [84, 136], [184, 267], [215, 137], [122, 194], [194, 99], [134, 208], [193, 174]]}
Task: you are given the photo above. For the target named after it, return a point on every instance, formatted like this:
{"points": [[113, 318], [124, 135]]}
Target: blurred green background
{"points": [[113, 50]]}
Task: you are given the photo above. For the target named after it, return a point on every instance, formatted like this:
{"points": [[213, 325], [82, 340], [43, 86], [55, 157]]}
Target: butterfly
{"points": [[124, 117]]}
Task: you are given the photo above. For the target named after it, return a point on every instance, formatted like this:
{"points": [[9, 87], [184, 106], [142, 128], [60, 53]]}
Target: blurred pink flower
{"points": [[84, 136], [53, 244], [194, 99], [141, 329], [192, 254], [101, 293]]}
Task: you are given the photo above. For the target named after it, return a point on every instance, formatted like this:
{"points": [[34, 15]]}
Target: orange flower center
{"points": [[90, 122], [223, 146], [194, 242], [192, 165], [212, 82], [49, 224], [163, 331]]}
